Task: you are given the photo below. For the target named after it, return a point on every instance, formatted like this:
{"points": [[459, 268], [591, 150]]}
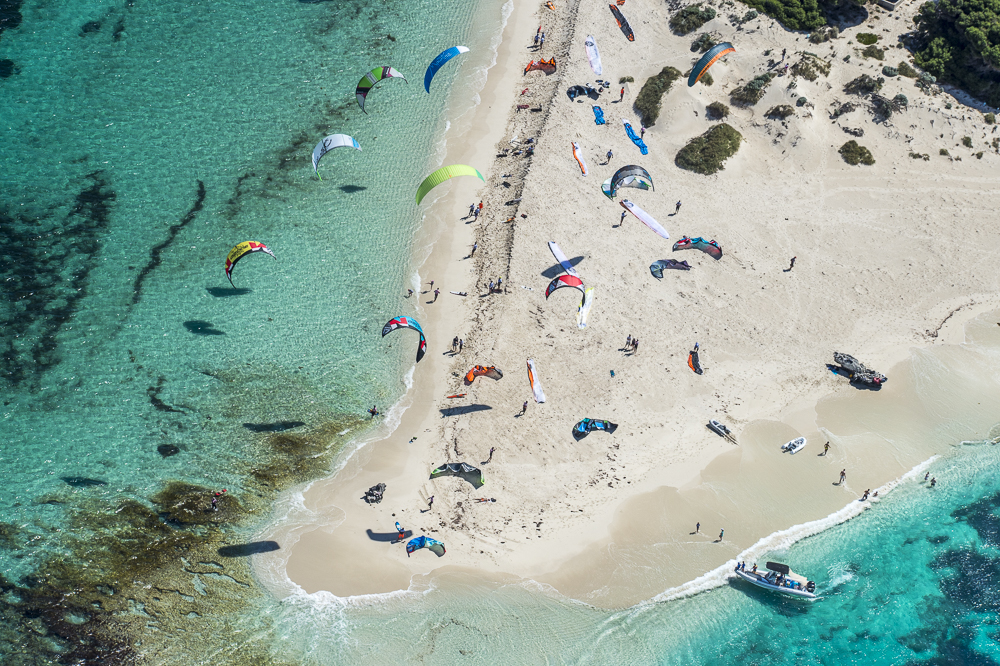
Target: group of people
{"points": [[475, 210], [497, 286], [631, 344], [457, 344], [867, 493], [539, 38], [933, 480]]}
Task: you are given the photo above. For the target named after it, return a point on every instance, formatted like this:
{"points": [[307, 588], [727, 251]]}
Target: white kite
{"points": [[328, 144], [561, 258], [578, 154], [536, 385], [644, 217], [581, 314]]}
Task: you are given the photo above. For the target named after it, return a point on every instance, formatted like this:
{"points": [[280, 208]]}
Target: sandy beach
{"points": [[889, 257]]}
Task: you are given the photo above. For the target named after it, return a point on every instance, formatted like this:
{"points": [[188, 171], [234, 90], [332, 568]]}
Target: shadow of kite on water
{"points": [[82, 481], [463, 409], [225, 292], [351, 189], [553, 271], [247, 549], [277, 426], [199, 327]]}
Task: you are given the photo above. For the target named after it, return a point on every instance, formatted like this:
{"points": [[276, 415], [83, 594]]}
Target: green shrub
{"points": [[867, 38], [863, 85], [749, 16], [990, 118], [917, 156], [653, 90], [979, 155], [854, 154], [801, 101], [810, 66], [900, 100], [967, 141], [691, 18], [704, 42], [716, 111], [890, 71], [793, 14], [944, 151], [753, 91], [706, 79], [626, 79], [907, 71], [947, 105], [847, 107], [707, 153], [781, 111], [996, 145], [873, 52]]}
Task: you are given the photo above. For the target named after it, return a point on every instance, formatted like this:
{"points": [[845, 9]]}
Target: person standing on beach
{"points": [[454, 344], [722, 533], [472, 208], [524, 408], [541, 42], [792, 264], [642, 131], [621, 95], [635, 345], [826, 448], [492, 449], [677, 207], [628, 341], [436, 293], [843, 477], [430, 502], [621, 220], [536, 40], [491, 286], [697, 528], [783, 52], [461, 343], [499, 284], [475, 246], [610, 155]]}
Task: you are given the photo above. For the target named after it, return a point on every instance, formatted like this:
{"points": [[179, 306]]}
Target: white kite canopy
{"points": [[328, 144], [644, 217], [581, 314], [593, 55], [561, 258], [536, 385]]}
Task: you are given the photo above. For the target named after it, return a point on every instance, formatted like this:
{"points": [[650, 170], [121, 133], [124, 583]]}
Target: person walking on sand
{"points": [[436, 293], [826, 448], [492, 449], [722, 533], [621, 220], [783, 52], [791, 264], [642, 131], [475, 246], [461, 343], [524, 408], [621, 95], [472, 208], [609, 156], [454, 344], [697, 528], [677, 207], [430, 502], [843, 477]]}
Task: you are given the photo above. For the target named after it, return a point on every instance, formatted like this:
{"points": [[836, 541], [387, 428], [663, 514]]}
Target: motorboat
{"points": [[794, 446], [780, 578]]}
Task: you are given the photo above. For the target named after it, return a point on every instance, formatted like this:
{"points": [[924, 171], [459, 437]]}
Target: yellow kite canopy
{"points": [[443, 174], [242, 250]]}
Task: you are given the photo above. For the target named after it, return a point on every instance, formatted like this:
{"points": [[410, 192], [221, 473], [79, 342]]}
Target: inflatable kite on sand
{"points": [[536, 385], [547, 66], [708, 60], [622, 23], [471, 474], [631, 175], [584, 309], [240, 251], [407, 322], [711, 248], [656, 268], [564, 281], [439, 62], [645, 218], [419, 542], [693, 361], [443, 174], [636, 139], [593, 55], [562, 258], [482, 371], [328, 144], [578, 154], [369, 80], [587, 426]]}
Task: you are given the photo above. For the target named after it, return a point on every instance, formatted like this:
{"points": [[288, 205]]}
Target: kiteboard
{"points": [[593, 55], [561, 258], [536, 385], [795, 445], [457, 395], [581, 315], [579, 158]]}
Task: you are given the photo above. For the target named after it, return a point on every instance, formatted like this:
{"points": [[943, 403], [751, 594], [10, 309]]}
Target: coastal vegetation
{"points": [[866, 38], [855, 154], [716, 111], [906, 70], [650, 97], [956, 41], [810, 66], [864, 85], [706, 154], [752, 92], [704, 42], [780, 112], [691, 18], [873, 52], [793, 14]]}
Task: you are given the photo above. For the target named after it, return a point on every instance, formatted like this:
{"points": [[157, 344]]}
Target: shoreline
{"points": [[687, 481]]}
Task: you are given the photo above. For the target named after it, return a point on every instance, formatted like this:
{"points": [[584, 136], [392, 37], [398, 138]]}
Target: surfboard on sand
{"points": [[593, 55]]}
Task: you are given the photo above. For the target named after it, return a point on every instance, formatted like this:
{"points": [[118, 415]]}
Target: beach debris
{"points": [[644, 217], [369, 80], [240, 251], [631, 175], [593, 55], [709, 59], [536, 385], [622, 23], [439, 62], [579, 158], [657, 267], [374, 494], [586, 426], [471, 474], [419, 542], [445, 173], [856, 370], [636, 139], [328, 144], [482, 371], [407, 322], [711, 247]]}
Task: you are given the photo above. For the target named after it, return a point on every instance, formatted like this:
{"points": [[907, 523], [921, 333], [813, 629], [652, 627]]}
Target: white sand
{"points": [[890, 256]]}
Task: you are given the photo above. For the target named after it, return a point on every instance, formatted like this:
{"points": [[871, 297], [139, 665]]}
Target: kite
{"points": [[579, 157], [636, 139], [439, 62], [645, 218], [593, 55], [561, 258], [419, 542], [407, 322], [711, 248], [586, 426], [631, 175], [240, 251], [564, 281], [369, 80], [443, 174], [581, 314], [693, 362], [547, 66], [328, 144], [708, 60], [471, 474], [622, 23], [480, 371], [536, 385], [656, 268], [598, 115]]}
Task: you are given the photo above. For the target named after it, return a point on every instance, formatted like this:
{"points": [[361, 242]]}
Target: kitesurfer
{"points": [[843, 477], [401, 533], [373, 411], [409, 292]]}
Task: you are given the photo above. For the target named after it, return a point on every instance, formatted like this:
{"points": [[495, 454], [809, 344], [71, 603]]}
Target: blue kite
{"points": [[635, 138], [598, 115], [439, 62], [424, 542]]}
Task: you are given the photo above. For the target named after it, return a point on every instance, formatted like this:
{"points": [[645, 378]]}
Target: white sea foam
{"points": [[782, 540]]}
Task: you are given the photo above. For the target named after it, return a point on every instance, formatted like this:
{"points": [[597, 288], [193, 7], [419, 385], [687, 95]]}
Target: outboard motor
{"points": [[810, 587]]}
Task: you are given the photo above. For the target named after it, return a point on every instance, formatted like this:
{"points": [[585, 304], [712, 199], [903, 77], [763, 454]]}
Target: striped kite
{"points": [[369, 80], [240, 251], [708, 60]]}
